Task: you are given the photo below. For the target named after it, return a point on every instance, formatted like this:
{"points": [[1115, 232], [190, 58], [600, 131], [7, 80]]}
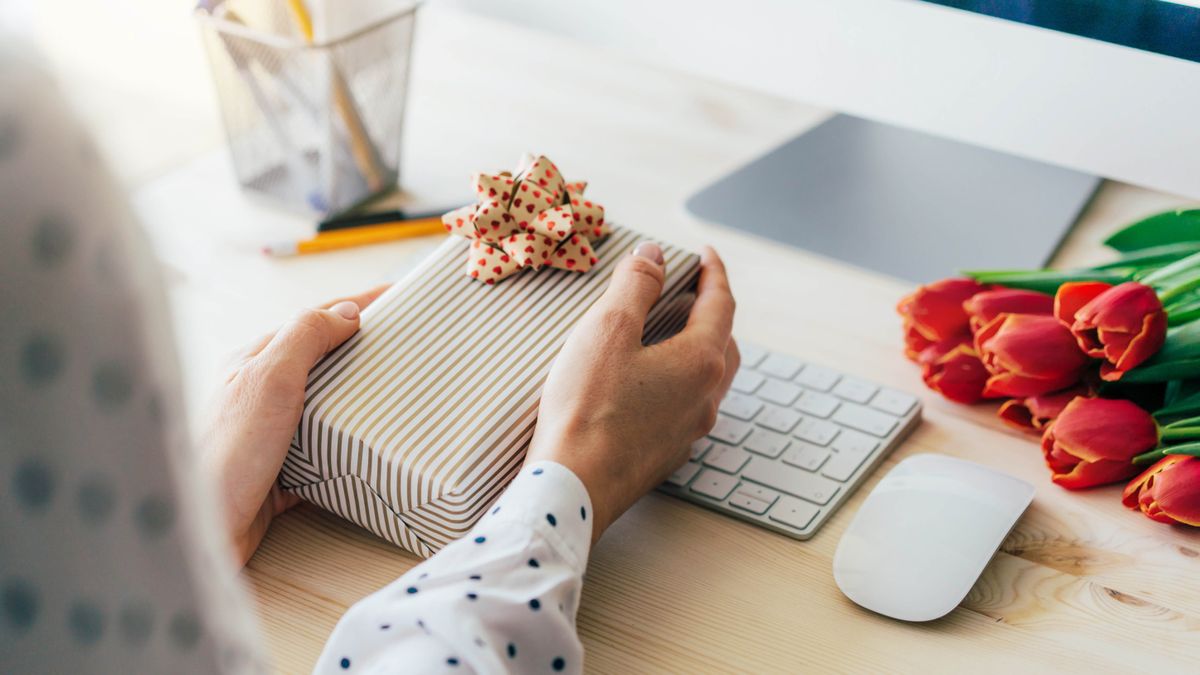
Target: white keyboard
{"points": [[792, 442]]}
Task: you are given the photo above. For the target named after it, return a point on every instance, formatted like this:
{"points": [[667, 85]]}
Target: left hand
{"points": [[258, 411]]}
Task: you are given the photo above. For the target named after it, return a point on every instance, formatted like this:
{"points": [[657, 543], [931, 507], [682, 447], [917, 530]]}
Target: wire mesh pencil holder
{"points": [[313, 125]]}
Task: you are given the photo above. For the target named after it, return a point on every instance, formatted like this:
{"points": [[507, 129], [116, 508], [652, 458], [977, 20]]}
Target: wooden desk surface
{"points": [[1080, 584]]}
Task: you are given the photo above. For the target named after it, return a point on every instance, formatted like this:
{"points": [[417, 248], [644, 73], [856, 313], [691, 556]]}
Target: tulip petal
{"points": [[954, 370], [1037, 347], [982, 307], [1168, 491], [1124, 325], [1071, 297], [1093, 474], [1019, 386], [1105, 429], [1035, 413], [935, 311]]}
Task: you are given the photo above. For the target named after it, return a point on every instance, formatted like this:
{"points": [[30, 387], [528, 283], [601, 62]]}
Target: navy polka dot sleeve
{"points": [[501, 599]]}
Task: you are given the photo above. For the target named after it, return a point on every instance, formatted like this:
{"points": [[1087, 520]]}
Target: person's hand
{"points": [[622, 416], [258, 411]]}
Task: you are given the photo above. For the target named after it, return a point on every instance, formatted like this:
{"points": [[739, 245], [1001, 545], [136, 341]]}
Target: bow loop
{"points": [[534, 220]]}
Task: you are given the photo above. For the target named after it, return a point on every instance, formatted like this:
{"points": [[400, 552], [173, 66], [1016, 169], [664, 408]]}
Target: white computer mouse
{"points": [[925, 533]]}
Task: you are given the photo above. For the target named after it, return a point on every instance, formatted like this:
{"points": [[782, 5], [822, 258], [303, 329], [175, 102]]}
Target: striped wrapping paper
{"points": [[418, 422]]}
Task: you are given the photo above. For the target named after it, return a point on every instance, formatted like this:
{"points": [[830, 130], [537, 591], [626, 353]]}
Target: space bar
{"points": [[796, 482]]}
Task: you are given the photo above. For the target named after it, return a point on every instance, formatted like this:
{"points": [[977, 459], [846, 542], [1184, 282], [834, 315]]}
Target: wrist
{"points": [[585, 456]]}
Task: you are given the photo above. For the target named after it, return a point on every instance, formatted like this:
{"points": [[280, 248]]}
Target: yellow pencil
{"points": [[359, 236]]}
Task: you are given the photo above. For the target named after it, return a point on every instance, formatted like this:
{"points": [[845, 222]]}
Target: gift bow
{"points": [[533, 220]]}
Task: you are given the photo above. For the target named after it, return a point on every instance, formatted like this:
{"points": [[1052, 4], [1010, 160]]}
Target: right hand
{"points": [[622, 416]]}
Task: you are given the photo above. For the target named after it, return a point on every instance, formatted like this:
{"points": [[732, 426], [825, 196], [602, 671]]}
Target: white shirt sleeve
{"points": [[501, 599]]}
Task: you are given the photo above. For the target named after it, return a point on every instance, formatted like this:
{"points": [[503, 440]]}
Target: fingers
{"points": [[711, 320], [362, 299], [733, 359], [637, 282], [311, 335]]}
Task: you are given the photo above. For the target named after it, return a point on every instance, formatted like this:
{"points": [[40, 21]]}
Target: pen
{"points": [[389, 216], [358, 236]]}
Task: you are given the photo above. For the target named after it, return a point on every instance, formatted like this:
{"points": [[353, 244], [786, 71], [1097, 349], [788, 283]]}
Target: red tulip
{"points": [[982, 307], [934, 313], [953, 369], [1035, 413], [1124, 324], [1028, 355], [1169, 491], [1094, 440]]}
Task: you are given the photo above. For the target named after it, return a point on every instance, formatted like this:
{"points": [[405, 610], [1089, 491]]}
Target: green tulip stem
{"points": [[1148, 457], [1183, 408], [1174, 433], [1045, 281], [1180, 317], [1174, 269], [1186, 287], [1189, 449]]}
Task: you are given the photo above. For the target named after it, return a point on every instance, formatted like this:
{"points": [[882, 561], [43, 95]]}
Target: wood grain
{"points": [[1081, 584]]}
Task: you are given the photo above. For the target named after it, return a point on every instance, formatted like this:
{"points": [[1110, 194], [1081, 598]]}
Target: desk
{"points": [[1080, 584]]}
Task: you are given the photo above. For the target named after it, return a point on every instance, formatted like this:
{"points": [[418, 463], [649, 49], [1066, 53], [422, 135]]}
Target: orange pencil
{"points": [[359, 236]]}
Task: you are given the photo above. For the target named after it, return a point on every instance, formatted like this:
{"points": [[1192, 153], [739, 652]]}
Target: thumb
{"points": [[311, 335], [637, 282]]}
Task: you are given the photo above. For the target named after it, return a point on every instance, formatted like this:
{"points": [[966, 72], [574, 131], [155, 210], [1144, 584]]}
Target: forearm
{"points": [[502, 598]]}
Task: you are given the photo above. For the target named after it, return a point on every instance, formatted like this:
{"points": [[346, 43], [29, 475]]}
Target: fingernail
{"points": [[651, 250], [348, 310]]}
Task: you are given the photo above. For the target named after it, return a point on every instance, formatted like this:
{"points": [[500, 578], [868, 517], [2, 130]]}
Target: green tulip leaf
{"points": [[1170, 227], [1152, 258], [1045, 281], [1182, 400]]}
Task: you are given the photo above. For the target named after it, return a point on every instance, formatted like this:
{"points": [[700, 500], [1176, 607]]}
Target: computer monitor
{"points": [[1011, 109], [1106, 87]]}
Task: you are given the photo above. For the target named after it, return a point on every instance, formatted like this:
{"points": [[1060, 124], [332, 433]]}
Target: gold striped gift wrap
{"points": [[415, 425]]}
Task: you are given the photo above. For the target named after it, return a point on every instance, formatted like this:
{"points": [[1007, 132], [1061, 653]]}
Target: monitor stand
{"points": [[901, 202]]}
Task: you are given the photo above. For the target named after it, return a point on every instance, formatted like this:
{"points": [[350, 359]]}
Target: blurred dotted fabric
{"points": [[111, 559]]}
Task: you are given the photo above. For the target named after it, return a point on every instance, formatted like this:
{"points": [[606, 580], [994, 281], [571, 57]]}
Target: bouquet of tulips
{"points": [[1103, 362]]}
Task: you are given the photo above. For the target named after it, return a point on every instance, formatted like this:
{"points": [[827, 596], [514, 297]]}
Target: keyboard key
{"points": [[714, 484], [766, 443], [864, 419], [854, 443], [726, 458], [740, 406], [893, 402], [793, 513], [817, 404], [729, 430], [818, 377], [779, 419], [854, 389], [683, 474], [751, 354], [806, 456], [738, 500], [758, 492], [781, 366], [700, 447], [795, 482], [818, 432], [746, 381], [778, 392], [842, 466]]}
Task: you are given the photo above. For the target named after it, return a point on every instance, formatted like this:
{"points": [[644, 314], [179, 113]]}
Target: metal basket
{"points": [[314, 125]]}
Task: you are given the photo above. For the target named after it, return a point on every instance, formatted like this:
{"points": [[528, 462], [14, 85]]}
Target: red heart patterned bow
{"points": [[535, 220]]}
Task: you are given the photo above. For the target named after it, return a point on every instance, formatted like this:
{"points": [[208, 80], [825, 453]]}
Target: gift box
{"points": [[415, 425]]}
